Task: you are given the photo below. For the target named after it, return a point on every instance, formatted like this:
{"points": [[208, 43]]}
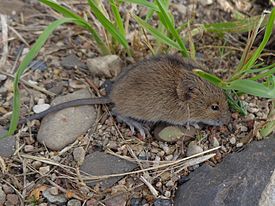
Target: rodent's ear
{"points": [[185, 89]]}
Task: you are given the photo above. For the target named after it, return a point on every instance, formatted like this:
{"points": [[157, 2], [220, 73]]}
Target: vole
{"points": [[159, 89]]}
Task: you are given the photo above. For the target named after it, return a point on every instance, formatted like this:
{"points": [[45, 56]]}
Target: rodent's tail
{"points": [[64, 105]]}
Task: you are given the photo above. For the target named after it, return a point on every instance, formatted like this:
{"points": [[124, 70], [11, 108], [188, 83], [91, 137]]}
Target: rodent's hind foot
{"points": [[134, 124]]}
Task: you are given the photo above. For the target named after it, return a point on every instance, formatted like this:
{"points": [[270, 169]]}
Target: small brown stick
{"points": [[19, 36], [4, 40]]}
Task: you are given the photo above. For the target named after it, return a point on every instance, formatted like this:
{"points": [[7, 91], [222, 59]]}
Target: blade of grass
{"points": [[252, 87], [156, 33], [256, 54], [118, 19], [210, 77], [239, 26], [26, 61], [80, 21], [170, 27], [265, 74], [109, 27]]}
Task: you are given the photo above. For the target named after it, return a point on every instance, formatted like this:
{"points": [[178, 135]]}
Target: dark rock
{"points": [[38, 65], [135, 201], [7, 144], [71, 62], [100, 163], [163, 202], [239, 180]]}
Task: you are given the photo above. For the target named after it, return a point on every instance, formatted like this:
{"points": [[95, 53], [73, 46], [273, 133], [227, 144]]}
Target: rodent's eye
{"points": [[215, 107]]}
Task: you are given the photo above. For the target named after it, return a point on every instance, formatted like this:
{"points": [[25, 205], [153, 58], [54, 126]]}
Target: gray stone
{"points": [[56, 199], [100, 163], [12, 199], [71, 62], [116, 200], [163, 202], [74, 202], [79, 155], [59, 129], [2, 196], [107, 66], [7, 144], [240, 179], [193, 148], [2, 77]]}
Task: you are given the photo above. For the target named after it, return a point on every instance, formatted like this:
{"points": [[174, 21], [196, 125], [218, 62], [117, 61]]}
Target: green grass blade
{"points": [[239, 26], [26, 61], [159, 36], [268, 32], [109, 26], [79, 21], [265, 74], [117, 16], [252, 87], [210, 77], [170, 27]]}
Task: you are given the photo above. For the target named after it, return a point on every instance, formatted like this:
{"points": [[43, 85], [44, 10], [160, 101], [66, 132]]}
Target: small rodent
{"points": [[159, 89]]}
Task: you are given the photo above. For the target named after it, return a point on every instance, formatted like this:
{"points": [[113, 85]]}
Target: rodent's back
{"points": [[157, 89]]}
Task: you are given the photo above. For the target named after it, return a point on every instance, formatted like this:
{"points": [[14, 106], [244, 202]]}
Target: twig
{"points": [[51, 94], [5, 40], [19, 36]]}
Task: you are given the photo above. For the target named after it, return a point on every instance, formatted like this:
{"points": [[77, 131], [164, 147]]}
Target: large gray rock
{"points": [[59, 129], [241, 179], [100, 163]]}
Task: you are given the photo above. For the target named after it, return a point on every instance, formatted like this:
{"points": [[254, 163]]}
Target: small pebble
{"points": [[41, 101], [56, 199], [44, 170], [40, 108], [2, 77], [159, 184], [243, 128], [2, 196], [215, 142], [74, 202], [250, 116], [79, 155], [37, 164], [240, 144], [170, 183], [53, 190], [28, 148], [169, 158], [232, 140], [7, 189], [12, 199], [193, 148], [167, 194], [162, 202], [253, 109], [206, 2]]}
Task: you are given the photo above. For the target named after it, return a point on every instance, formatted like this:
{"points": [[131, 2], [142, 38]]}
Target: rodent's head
{"points": [[206, 103]]}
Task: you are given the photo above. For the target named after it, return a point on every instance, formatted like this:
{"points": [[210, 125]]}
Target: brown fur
{"points": [[165, 89]]}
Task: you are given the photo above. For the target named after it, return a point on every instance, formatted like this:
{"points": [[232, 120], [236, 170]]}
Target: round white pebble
{"points": [[40, 108]]}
